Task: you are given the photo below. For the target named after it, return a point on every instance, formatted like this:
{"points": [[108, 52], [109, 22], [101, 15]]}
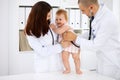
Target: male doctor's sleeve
{"points": [[43, 50], [105, 41], [103, 36]]}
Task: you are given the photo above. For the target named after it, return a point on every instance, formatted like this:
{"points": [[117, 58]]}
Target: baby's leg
{"points": [[76, 58], [65, 58]]}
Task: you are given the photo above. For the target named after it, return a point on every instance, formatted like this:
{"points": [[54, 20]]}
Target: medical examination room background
{"points": [[16, 58]]}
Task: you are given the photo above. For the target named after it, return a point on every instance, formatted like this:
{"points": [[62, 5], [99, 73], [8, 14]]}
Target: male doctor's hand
{"points": [[69, 36]]}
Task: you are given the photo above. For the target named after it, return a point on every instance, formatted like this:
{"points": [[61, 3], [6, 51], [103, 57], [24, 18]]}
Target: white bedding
{"points": [[87, 75]]}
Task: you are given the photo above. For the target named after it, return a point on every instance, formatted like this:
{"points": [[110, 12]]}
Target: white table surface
{"points": [[87, 75]]}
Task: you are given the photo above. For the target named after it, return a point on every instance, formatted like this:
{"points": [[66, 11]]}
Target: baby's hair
{"points": [[62, 11]]}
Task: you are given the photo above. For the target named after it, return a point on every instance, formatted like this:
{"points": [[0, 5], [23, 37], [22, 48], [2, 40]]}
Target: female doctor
{"points": [[42, 39], [104, 37]]}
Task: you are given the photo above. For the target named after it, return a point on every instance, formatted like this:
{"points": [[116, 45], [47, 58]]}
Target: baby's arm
{"points": [[62, 29], [54, 28], [59, 30]]}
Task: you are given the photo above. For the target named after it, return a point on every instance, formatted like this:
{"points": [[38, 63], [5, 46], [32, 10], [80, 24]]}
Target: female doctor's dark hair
{"points": [[37, 23]]}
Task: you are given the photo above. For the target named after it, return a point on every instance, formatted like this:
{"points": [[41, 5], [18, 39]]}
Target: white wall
{"points": [[3, 37], [18, 62]]}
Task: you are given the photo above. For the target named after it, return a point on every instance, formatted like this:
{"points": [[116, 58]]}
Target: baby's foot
{"points": [[66, 71], [78, 72]]}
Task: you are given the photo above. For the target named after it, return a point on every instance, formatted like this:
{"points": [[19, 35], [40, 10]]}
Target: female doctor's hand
{"points": [[65, 44], [69, 36]]}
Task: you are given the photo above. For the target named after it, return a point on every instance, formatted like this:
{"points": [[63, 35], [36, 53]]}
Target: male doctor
{"points": [[104, 37]]}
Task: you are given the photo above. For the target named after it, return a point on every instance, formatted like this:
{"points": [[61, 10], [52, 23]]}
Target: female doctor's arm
{"points": [[43, 50]]}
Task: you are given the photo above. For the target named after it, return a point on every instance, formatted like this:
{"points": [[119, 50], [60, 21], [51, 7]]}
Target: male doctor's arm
{"points": [[100, 39]]}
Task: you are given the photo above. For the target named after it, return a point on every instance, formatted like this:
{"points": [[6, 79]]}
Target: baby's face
{"points": [[60, 20]]}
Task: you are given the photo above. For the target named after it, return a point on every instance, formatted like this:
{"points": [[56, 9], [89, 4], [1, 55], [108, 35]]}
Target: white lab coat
{"points": [[47, 57], [105, 42]]}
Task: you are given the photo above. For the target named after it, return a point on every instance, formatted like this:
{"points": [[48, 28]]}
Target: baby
{"points": [[61, 27]]}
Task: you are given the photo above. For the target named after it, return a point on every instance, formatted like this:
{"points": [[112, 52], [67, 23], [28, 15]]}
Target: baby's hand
{"points": [[52, 26], [67, 27]]}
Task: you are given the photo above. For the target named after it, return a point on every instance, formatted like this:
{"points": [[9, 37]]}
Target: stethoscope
{"points": [[52, 37], [54, 42]]}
